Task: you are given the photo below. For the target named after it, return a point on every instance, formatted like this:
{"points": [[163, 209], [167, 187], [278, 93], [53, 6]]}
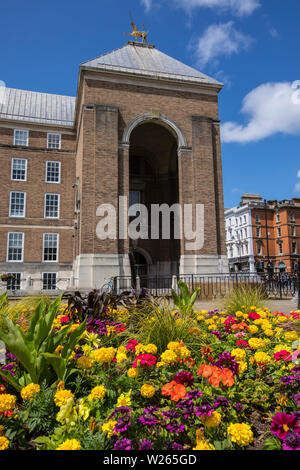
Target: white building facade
{"points": [[239, 239]]}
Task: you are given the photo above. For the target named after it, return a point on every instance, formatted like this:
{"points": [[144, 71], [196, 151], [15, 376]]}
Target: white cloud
{"points": [[219, 40], [147, 4], [237, 7], [271, 108], [298, 174]]}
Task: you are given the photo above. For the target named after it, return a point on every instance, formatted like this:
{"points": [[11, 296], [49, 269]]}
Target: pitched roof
{"points": [[31, 106], [146, 60]]}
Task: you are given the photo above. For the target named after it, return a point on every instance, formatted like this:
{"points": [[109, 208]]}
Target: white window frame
{"points": [[12, 169], [53, 133], [7, 248], [27, 140], [59, 176], [58, 211], [43, 254], [17, 216], [20, 280], [47, 272]]}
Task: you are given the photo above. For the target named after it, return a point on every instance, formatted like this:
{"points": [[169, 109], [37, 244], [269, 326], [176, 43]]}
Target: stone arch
{"points": [[162, 120]]}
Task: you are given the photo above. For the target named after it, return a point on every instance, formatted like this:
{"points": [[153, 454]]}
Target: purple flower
{"points": [[9, 367], [204, 410], [123, 444], [171, 414], [148, 418], [145, 444], [238, 407], [283, 423], [291, 442], [295, 370], [221, 401], [175, 427], [225, 360], [217, 334], [287, 380], [122, 410], [184, 378], [173, 446], [195, 394], [122, 424]]}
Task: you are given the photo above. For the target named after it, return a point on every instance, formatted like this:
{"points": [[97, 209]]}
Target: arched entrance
{"points": [[153, 179], [282, 267]]}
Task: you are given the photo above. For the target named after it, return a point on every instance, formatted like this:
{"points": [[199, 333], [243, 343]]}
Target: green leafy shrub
{"points": [[35, 348]]}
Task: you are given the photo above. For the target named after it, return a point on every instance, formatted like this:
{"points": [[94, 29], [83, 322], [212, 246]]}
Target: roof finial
{"points": [[138, 34]]}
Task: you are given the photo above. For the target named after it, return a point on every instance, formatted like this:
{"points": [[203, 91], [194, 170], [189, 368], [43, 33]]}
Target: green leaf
{"points": [[58, 364], [10, 379], [272, 443]]}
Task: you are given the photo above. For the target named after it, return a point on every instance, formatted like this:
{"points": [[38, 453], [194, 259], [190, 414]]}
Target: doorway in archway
{"points": [[153, 179]]}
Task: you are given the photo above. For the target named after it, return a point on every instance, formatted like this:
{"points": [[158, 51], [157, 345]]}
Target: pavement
{"points": [[276, 305]]}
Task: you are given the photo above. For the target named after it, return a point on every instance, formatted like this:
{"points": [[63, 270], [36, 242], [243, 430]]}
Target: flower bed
{"points": [[101, 388]]}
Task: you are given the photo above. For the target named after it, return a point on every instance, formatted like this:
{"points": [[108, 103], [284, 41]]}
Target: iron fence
{"points": [[212, 286]]}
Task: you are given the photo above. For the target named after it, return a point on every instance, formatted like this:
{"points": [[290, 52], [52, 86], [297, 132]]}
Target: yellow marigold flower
{"points": [[108, 428], [239, 314], [204, 312], [85, 362], [209, 321], [282, 319], [213, 420], [124, 399], [169, 357], [104, 355], [61, 397], [203, 445], [262, 358], [147, 391], [151, 349], [252, 329], [269, 332], [97, 393], [70, 444], [212, 327], [173, 346], [291, 336], [28, 392], [160, 364], [140, 349], [256, 343], [122, 349], [132, 373], [243, 366], [200, 317], [7, 402], [241, 434], [184, 352], [239, 354], [4, 443], [74, 327]]}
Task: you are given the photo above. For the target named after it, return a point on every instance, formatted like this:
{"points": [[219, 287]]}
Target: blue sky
{"points": [[251, 45]]}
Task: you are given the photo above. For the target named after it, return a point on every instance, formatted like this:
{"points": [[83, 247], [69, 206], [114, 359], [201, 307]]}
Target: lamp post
{"points": [[267, 237]]}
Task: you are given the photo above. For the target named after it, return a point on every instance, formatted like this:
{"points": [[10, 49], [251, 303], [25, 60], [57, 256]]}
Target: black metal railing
{"points": [[213, 286]]}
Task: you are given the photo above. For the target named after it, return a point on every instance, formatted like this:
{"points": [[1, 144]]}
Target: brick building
{"points": [[263, 236], [143, 125]]}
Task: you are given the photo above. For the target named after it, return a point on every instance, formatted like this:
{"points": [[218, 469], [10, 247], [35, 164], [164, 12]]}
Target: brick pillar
{"points": [[205, 180]]}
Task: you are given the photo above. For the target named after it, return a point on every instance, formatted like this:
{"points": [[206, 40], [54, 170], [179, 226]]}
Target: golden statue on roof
{"points": [[138, 34]]}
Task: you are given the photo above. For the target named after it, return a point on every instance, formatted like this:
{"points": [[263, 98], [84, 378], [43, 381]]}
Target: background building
{"points": [[143, 125], [273, 235]]}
